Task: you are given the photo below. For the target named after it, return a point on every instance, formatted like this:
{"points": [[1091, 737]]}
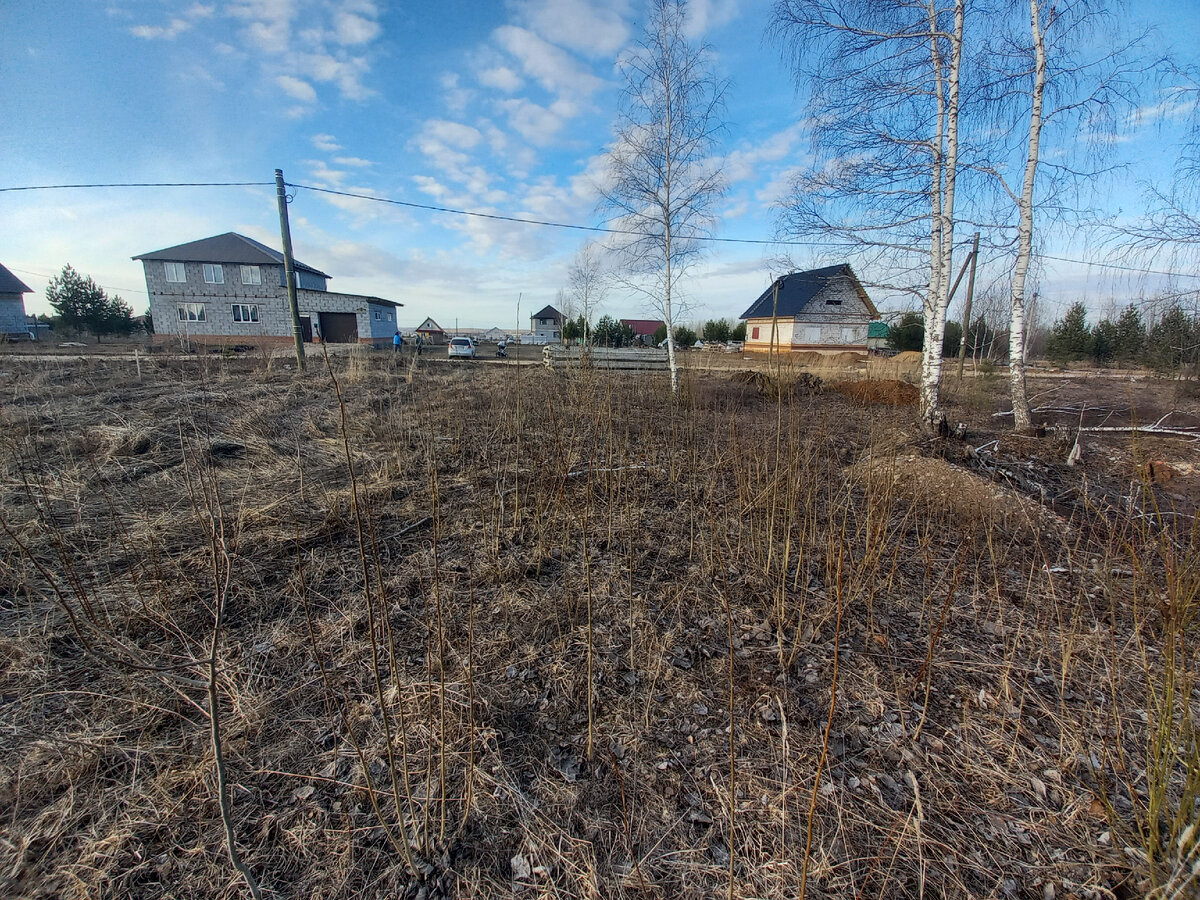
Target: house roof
{"points": [[547, 312], [798, 288], [429, 325], [230, 247], [877, 330], [11, 284], [643, 326]]}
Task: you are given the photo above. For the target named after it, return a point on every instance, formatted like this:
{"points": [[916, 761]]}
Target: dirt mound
{"points": [[908, 358], [779, 384], [878, 393], [808, 358], [846, 358]]}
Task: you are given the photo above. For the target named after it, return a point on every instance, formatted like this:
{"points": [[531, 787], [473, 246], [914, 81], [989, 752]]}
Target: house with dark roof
{"points": [[230, 289], [644, 329], [823, 310], [545, 326], [14, 324]]}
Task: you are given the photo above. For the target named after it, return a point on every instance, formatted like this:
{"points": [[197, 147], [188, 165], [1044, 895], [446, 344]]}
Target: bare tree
{"points": [[1066, 68], [587, 281], [884, 82], [663, 182]]}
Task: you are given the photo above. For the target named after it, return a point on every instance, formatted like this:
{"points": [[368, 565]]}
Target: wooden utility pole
{"points": [[962, 344], [289, 269]]}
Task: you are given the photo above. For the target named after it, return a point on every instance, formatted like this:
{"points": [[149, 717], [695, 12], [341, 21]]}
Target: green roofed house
{"points": [[822, 310], [230, 289], [877, 335]]}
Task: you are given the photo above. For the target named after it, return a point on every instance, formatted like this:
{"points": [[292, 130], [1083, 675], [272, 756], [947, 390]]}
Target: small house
{"points": [[822, 310], [877, 337], [14, 324], [431, 332], [546, 326]]}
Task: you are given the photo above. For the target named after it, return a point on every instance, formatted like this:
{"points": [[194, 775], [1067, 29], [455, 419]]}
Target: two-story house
{"points": [[822, 310], [546, 326], [230, 289]]}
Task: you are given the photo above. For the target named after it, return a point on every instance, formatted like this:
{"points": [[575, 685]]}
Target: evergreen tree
{"points": [[684, 336], [1130, 342], [716, 330], [739, 332], [1172, 341], [82, 304], [660, 334], [951, 339], [1104, 341], [1070, 338], [908, 333]]}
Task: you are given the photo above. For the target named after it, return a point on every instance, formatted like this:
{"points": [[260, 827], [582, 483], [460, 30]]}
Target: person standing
{"points": [[420, 342], [397, 342]]}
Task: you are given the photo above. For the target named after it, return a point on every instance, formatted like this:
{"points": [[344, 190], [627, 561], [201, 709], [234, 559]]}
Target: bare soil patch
{"points": [[886, 392]]}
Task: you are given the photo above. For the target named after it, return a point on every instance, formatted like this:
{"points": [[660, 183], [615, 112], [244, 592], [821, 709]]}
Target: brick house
{"points": [[230, 289], [823, 310], [14, 324]]}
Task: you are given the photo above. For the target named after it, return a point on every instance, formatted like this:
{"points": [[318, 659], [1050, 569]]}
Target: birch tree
{"points": [[1074, 72], [587, 280], [883, 81], [663, 182]]}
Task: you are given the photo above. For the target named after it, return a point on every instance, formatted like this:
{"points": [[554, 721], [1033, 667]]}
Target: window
{"points": [[213, 274], [251, 275], [833, 301], [245, 312], [378, 316], [191, 312], [849, 336], [812, 334], [175, 272], [754, 333]]}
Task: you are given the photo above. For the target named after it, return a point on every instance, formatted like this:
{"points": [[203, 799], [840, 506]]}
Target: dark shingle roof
{"points": [[798, 288], [11, 284], [547, 312], [230, 247]]}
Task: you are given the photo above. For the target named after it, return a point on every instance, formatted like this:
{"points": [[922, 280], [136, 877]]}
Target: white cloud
{"points": [[596, 29], [552, 67], [355, 161], [744, 162], [454, 134], [326, 142], [167, 32], [705, 15], [351, 28], [297, 88], [535, 123], [502, 78]]}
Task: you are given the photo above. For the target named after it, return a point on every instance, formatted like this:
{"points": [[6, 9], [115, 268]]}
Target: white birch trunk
{"points": [[1022, 418], [944, 174]]}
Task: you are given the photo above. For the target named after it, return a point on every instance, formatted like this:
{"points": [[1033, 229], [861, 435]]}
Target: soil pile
{"points": [[878, 393]]}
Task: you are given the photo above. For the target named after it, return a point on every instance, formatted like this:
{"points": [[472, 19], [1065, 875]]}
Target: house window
{"points": [[192, 312], [175, 272], [213, 273], [245, 312], [378, 316], [812, 334], [754, 333], [251, 275], [848, 336], [833, 301]]}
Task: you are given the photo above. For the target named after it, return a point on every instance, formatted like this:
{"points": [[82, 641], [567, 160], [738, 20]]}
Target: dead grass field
{"points": [[493, 632]]}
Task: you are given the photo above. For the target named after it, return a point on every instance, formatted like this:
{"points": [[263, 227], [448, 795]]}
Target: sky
{"points": [[503, 107]]}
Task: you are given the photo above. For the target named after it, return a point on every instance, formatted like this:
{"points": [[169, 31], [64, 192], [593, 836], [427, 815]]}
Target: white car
{"points": [[461, 347]]}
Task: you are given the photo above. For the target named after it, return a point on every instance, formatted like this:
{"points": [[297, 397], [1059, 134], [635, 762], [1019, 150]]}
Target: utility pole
{"points": [[962, 344], [289, 269]]}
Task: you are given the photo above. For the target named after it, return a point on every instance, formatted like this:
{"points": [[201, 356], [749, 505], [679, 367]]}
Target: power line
{"points": [[545, 223], [107, 287]]}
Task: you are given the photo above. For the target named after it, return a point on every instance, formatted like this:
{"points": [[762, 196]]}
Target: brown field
{"points": [[490, 631]]}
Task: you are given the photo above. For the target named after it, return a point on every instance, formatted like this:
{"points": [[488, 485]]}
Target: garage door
{"points": [[339, 328]]}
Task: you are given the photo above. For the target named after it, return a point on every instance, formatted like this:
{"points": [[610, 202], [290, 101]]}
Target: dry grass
{"points": [[613, 577]]}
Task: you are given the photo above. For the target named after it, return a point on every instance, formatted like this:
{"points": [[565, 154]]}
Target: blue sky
{"points": [[500, 107]]}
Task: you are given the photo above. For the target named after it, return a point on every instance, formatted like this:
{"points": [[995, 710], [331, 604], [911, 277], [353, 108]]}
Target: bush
{"points": [[684, 337]]}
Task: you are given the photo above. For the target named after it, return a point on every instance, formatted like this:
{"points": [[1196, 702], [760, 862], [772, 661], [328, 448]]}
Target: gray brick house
{"points": [[822, 310], [545, 326], [230, 289], [14, 324]]}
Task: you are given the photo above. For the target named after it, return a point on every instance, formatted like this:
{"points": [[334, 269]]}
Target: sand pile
{"points": [[878, 393]]}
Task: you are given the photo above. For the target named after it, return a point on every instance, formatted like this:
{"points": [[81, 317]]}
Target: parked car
{"points": [[461, 347]]}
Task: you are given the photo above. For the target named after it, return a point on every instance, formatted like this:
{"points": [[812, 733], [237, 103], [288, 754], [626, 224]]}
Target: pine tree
{"points": [[1070, 338]]}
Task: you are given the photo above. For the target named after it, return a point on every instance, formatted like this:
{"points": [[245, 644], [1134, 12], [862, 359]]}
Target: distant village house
{"points": [[822, 310], [230, 289], [644, 329], [14, 324], [545, 326]]}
